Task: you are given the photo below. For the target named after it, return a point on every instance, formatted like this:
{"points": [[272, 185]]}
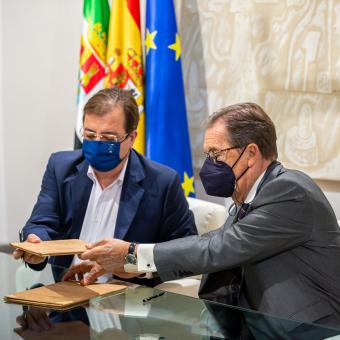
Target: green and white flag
{"points": [[92, 55]]}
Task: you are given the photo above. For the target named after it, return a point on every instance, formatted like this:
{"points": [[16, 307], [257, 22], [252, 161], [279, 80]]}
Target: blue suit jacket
{"points": [[152, 206]]}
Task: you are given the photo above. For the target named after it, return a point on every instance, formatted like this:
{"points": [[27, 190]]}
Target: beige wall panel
{"points": [[308, 126], [284, 55]]}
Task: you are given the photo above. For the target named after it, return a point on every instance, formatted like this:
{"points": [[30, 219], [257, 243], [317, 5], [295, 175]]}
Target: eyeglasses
{"points": [[106, 137], [214, 155]]}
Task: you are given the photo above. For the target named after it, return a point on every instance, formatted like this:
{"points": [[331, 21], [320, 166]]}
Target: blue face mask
{"points": [[218, 178], [103, 156]]}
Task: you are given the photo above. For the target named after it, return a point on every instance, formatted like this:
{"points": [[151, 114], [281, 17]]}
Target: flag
{"points": [[124, 57], [167, 135], [93, 47]]}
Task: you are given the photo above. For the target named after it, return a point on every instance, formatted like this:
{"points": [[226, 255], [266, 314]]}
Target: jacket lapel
{"points": [[80, 190], [272, 172], [131, 196]]}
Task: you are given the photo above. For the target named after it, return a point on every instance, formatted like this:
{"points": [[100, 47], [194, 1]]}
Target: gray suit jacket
{"points": [[287, 248]]}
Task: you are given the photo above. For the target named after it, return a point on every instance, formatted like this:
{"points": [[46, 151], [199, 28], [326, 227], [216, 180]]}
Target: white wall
{"points": [[40, 66], [3, 226], [5, 319]]}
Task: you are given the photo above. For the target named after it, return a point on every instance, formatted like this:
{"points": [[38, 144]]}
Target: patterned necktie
{"points": [[244, 209]]}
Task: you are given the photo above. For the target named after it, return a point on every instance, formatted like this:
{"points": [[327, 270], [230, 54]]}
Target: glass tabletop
{"points": [[146, 313], [141, 313], [15, 277]]}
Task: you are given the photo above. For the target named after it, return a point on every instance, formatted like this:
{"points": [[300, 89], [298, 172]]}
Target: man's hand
{"points": [[34, 319], [109, 254], [88, 272], [29, 258]]}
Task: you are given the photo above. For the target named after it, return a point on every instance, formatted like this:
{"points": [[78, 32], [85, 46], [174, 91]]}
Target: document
{"points": [[63, 295], [52, 248]]}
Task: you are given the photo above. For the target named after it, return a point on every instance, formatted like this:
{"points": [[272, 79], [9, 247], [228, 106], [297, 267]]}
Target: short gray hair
{"points": [[247, 123]]}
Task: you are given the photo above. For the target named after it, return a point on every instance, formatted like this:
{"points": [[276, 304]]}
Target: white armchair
{"points": [[208, 216]]}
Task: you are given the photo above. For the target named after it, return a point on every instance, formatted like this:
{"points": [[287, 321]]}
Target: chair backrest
{"points": [[208, 215]]}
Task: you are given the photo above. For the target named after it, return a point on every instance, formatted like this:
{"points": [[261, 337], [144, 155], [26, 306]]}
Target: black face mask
{"points": [[218, 178]]}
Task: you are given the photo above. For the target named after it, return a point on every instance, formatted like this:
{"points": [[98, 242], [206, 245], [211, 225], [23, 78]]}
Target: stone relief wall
{"points": [[282, 54]]}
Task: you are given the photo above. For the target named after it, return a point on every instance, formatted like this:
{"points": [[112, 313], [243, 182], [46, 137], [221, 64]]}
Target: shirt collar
{"points": [[119, 180], [252, 192]]}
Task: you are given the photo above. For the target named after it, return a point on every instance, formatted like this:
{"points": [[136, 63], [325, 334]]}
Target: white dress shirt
{"points": [[145, 257], [101, 213], [251, 194]]}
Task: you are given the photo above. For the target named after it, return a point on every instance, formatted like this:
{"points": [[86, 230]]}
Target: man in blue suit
{"points": [[107, 189]]}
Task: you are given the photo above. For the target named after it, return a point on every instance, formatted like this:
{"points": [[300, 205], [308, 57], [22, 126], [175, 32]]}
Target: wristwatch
{"points": [[131, 259]]}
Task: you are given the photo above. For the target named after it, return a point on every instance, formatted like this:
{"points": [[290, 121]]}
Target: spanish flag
{"points": [[124, 56]]}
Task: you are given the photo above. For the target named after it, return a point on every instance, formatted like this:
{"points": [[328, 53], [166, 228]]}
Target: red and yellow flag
{"points": [[124, 57]]}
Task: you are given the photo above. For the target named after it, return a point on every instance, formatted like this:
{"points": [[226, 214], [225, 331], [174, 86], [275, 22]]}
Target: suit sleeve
{"points": [[278, 222], [177, 220], [45, 218]]}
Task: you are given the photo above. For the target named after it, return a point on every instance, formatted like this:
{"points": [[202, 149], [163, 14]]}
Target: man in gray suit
{"points": [[278, 251]]}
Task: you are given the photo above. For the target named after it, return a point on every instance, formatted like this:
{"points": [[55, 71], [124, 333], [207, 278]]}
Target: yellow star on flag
{"points": [[176, 47], [188, 184], [149, 40]]}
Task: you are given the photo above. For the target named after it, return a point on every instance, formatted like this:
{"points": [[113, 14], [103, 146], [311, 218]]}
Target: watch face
{"points": [[130, 258]]}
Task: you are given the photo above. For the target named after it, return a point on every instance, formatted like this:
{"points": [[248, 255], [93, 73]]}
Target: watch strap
{"points": [[132, 248]]}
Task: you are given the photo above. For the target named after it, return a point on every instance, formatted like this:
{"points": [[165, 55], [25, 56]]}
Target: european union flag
{"points": [[167, 135]]}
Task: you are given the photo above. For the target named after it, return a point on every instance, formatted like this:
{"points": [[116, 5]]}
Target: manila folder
{"points": [[63, 295], [52, 248]]}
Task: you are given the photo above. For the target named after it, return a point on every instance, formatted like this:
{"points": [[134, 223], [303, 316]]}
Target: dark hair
{"points": [[247, 123], [104, 101]]}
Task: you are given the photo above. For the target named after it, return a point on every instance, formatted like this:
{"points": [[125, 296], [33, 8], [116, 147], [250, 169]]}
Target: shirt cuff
{"points": [[145, 258]]}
